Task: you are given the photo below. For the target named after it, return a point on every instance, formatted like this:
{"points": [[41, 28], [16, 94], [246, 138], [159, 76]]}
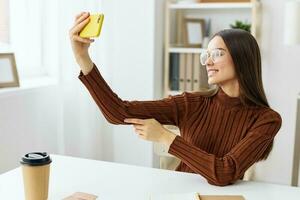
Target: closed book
{"points": [[174, 71], [189, 72], [182, 63], [194, 196], [196, 74]]}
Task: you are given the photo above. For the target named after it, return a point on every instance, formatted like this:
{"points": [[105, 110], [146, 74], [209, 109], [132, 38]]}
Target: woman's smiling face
{"points": [[219, 65]]}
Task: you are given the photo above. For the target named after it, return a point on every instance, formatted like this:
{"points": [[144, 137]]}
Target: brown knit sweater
{"points": [[220, 137]]}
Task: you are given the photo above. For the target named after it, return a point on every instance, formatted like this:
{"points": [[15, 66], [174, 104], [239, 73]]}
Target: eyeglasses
{"points": [[214, 54]]}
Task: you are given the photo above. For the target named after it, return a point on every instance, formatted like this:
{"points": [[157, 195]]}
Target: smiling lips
{"points": [[211, 72]]}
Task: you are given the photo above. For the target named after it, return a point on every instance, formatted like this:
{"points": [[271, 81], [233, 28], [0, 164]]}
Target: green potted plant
{"points": [[241, 25]]}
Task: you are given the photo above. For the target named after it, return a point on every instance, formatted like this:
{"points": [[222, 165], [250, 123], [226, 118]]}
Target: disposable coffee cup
{"points": [[36, 170]]}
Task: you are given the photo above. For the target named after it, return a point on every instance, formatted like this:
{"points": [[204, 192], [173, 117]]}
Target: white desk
{"points": [[111, 181]]}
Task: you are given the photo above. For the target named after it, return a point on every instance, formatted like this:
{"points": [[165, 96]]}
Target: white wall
{"points": [[130, 53], [61, 118], [81, 124], [4, 25], [282, 84], [28, 122]]}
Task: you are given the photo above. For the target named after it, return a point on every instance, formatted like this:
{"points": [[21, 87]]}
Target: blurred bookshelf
{"points": [[182, 68]]}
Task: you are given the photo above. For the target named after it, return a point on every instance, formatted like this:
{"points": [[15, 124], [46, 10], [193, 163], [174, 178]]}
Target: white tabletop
{"points": [[111, 181]]}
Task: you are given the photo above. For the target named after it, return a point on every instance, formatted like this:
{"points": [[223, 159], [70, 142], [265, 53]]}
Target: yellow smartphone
{"points": [[93, 28]]}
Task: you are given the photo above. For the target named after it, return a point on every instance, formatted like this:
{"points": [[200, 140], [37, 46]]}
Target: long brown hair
{"points": [[246, 57]]}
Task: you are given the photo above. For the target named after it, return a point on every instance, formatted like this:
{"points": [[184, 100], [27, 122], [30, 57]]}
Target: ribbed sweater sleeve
{"points": [[167, 111], [229, 168]]}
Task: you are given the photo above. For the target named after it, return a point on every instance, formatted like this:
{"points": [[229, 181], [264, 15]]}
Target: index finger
{"points": [[134, 121], [77, 28], [78, 15]]}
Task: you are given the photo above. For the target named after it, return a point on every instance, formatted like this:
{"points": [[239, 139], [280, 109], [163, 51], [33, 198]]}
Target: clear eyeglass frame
{"points": [[215, 54]]}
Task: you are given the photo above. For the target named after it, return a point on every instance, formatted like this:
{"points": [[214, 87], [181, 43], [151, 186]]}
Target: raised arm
{"points": [[115, 110], [232, 166], [170, 110]]}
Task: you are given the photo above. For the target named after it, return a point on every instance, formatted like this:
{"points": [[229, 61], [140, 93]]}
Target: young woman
{"points": [[223, 134]]}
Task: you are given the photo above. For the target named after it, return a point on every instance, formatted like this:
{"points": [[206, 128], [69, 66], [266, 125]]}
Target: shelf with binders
{"points": [[186, 73]]}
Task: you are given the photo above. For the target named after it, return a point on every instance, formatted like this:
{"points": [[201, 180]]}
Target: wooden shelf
{"points": [[185, 50], [211, 5], [5, 48], [172, 92]]}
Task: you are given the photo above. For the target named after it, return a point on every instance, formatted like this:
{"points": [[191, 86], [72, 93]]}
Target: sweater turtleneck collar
{"points": [[226, 100]]}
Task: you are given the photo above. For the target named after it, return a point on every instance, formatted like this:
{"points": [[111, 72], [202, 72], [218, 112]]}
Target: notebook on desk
{"points": [[194, 196], [221, 197]]}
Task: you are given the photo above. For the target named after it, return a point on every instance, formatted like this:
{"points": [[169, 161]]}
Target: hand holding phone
{"points": [[93, 28]]}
